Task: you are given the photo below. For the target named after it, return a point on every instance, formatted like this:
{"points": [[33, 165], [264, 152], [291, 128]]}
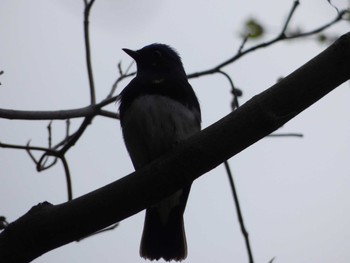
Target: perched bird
{"points": [[158, 109]]}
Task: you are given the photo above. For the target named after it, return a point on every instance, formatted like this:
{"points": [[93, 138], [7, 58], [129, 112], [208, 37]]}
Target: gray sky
{"points": [[294, 192]]}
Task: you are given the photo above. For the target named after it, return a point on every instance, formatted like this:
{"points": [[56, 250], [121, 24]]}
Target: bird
{"points": [[159, 109]]}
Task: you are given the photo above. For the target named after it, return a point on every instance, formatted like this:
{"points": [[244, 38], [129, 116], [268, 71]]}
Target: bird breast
{"points": [[153, 124]]}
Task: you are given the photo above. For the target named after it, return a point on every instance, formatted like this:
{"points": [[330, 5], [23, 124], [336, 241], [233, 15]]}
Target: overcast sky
{"points": [[294, 192]]}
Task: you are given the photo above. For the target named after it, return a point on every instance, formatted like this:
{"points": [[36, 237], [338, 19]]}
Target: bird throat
{"points": [[158, 81]]}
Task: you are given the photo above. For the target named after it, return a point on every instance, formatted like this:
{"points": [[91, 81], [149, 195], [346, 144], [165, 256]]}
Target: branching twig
{"points": [[281, 36], [235, 92], [338, 18], [122, 75], [40, 166], [332, 5]]}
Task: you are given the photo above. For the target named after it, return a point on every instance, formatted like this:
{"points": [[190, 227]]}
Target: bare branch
{"points": [[234, 91], [41, 164], [289, 18], [239, 211], [50, 134], [332, 5], [109, 114], [88, 51], [1, 72], [75, 137], [122, 75], [46, 115], [300, 135], [338, 18], [68, 177], [67, 127], [26, 147], [280, 37], [241, 47]]}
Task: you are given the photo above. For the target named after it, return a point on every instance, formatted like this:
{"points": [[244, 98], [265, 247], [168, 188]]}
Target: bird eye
{"points": [[157, 54]]}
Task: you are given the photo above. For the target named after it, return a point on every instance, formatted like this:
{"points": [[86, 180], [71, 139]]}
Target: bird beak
{"points": [[132, 53]]}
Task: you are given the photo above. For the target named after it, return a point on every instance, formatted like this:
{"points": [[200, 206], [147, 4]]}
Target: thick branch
{"points": [[46, 226]]}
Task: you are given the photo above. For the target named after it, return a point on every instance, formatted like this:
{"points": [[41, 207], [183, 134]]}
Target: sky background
{"points": [[294, 192]]}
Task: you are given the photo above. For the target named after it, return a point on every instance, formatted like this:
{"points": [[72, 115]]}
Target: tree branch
{"points": [[239, 211], [88, 51], [280, 37], [60, 224], [46, 115]]}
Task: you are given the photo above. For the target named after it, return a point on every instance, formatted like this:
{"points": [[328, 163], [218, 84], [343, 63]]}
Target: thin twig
{"points": [[1, 72], [122, 75], [68, 177], [72, 139], [289, 18], [41, 164], [230, 177], [338, 18], [332, 5], [49, 134], [233, 89], [300, 135], [245, 39], [26, 147], [239, 212], [109, 114], [75, 137], [88, 51], [67, 127]]}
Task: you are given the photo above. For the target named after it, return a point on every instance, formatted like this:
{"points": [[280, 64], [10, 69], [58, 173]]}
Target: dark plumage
{"points": [[158, 109]]}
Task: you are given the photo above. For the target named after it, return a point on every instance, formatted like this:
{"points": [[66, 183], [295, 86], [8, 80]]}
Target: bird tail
{"points": [[164, 240]]}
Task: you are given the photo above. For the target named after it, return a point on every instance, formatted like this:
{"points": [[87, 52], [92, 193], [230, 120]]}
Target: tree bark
{"points": [[47, 226]]}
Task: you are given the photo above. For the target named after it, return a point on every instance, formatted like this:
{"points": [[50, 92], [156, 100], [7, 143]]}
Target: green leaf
{"points": [[253, 29]]}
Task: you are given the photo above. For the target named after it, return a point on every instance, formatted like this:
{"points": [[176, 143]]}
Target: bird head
{"points": [[156, 60]]}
